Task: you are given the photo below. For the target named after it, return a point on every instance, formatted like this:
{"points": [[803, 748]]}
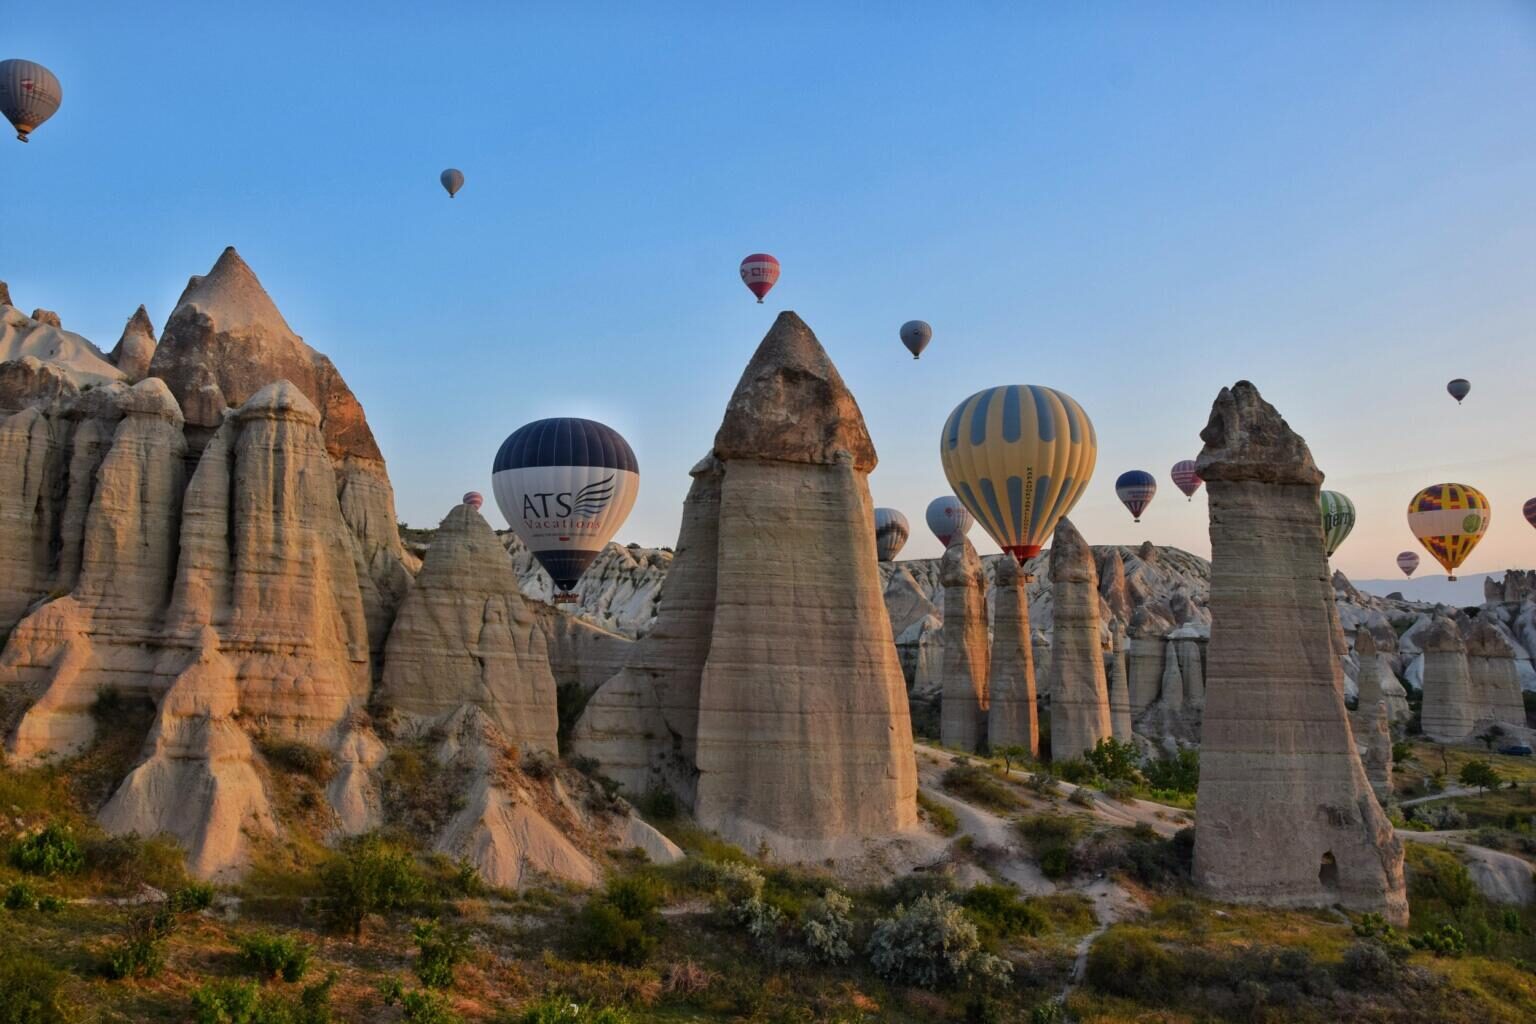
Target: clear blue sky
{"points": [[1136, 203]]}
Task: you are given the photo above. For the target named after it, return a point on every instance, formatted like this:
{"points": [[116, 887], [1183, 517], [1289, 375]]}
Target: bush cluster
{"points": [[978, 784], [50, 851], [275, 956], [621, 925], [369, 876], [244, 1002], [932, 944], [440, 950]]}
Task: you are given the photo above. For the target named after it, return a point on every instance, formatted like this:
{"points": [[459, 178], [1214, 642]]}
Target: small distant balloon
{"points": [[1338, 519], [891, 532], [947, 517], [1185, 478], [1529, 510], [453, 180], [759, 272], [1449, 520], [1135, 489], [29, 95], [916, 334], [1459, 389], [474, 499], [1408, 562]]}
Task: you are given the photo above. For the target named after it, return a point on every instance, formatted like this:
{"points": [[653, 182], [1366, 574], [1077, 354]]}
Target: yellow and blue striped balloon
{"points": [[1019, 457]]}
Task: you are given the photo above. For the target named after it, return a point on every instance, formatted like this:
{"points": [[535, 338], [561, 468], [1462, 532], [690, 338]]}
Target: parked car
{"points": [[1516, 750]]}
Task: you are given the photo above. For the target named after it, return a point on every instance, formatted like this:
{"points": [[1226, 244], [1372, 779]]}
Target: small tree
{"points": [[1480, 774], [371, 876], [1491, 735], [1017, 752]]}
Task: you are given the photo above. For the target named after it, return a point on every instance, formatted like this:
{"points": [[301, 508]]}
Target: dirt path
{"points": [[1502, 877], [1444, 794]]}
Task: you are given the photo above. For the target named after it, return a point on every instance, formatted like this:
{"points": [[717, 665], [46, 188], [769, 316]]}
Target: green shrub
{"points": [[1479, 774], [300, 759], [1129, 963], [932, 945], [827, 928], [1076, 771], [1435, 875], [190, 898], [555, 1010], [1112, 759], [439, 951], [31, 990], [275, 956], [50, 851], [621, 924], [21, 896], [48, 903], [659, 804], [1043, 783], [370, 876], [1447, 940], [1179, 774], [940, 817], [999, 912], [243, 1002], [141, 952], [978, 785], [419, 1006], [1056, 862], [131, 861]]}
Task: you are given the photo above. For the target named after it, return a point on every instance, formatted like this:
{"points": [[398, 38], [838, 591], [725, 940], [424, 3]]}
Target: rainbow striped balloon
{"points": [[1407, 561], [1019, 457], [1186, 478], [1338, 519], [1449, 520]]}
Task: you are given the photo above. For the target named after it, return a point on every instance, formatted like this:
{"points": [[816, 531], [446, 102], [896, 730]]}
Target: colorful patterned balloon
{"points": [[1449, 520], [891, 532], [1135, 488], [566, 485], [474, 499], [1186, 479], [1530, 511], [29, 95], [1407, 561], [1019, 457], [946, 517], [759, 272], [1338, 519]]}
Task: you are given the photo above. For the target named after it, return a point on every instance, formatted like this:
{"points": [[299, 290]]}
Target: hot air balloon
{"points": [[947, 517], [29, 94], [1019, 457], [916, 334], [1449, 520], [453, 180], [1186, 479], [566, 485], [1529, 510], [1135, 489], [891, 532], [1459, 389], [474, 499], [1338, 519], [759, 272], [1408, 562]]}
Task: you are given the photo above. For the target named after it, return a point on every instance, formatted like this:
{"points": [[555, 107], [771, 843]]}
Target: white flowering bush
{"points": [[932, 944], [828, 928]]}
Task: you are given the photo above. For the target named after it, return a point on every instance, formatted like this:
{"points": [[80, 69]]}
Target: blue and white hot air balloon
{"points": [[1135, 489], [565, 485]]}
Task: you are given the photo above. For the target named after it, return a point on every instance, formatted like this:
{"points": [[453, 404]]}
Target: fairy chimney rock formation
{"points": [[1012, 718], [1079, 691], [1375, 732], [802, 747], [136, 348], [1173, 679], [464, 635], [1287, 816], [1144, 660], [1448, 714], [1119, 686], [963, 703], [1495, 681]]}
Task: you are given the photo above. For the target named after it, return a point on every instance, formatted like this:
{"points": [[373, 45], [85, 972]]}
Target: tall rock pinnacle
{"points": [[1287, 816]]}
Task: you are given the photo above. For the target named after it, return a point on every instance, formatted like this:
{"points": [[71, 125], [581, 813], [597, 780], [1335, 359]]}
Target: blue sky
{"points": [[1135, 203]]}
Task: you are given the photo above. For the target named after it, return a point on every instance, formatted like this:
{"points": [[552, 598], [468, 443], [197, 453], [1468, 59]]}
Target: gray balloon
{"points": [[29, 94], [915, 334], [452, 179]]}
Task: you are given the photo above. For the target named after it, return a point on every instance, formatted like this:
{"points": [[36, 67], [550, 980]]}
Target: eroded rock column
{"points": [[1079, 691], [1012, 717], [963, 708]]}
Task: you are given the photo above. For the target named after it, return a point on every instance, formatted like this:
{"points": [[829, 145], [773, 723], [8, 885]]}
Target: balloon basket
{"points": [[566, 599]]}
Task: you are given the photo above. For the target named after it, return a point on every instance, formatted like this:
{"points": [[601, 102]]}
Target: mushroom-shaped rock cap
{"points": [[791, 405], [47, 316], [150, 397], [1071, 557], [1485, 641], [231, 296], [960, 567], [1247, 439], [280, 400], [1441, 636], [5, 295]]}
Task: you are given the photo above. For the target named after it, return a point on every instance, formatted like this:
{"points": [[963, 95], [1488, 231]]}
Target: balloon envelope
{"points": [[916, 334], [29, 95], [891, 532], [474, 499], [1135, 489], [1019, 457], [1530, 511], [452, 179], [1449, 520], [759, 272], [1338, 519], [947, 517], [1459, 389], [1185, 478], [566, 485], [1407, 561]]}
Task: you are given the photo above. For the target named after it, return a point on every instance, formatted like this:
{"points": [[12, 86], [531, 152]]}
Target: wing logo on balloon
{"points": [[593, 498]]}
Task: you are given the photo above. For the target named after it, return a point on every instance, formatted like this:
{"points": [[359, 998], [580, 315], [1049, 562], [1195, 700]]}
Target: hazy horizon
{"points": [[1137, 204]]}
